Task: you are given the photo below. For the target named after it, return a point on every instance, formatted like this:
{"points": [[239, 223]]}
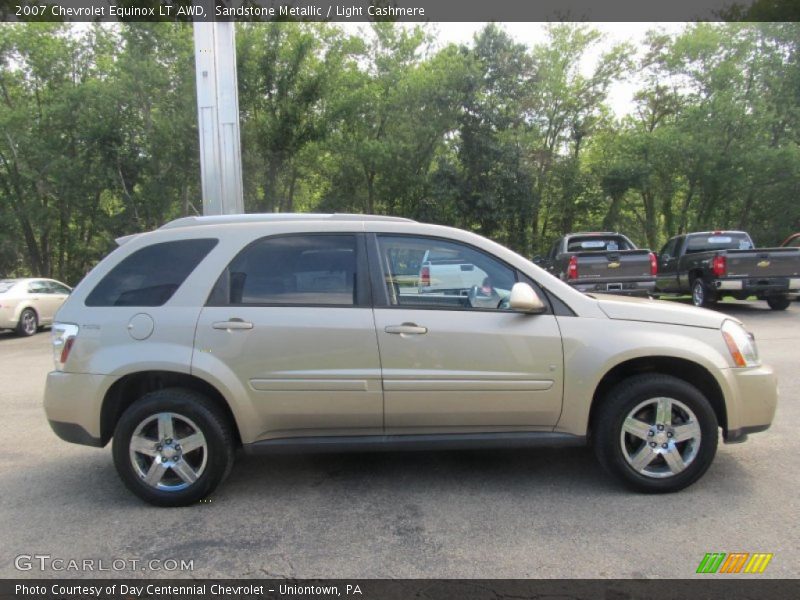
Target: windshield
{"points": [[718, 241]]}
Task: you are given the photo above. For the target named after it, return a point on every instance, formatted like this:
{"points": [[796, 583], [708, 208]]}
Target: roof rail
{"points": [[272, 217]]}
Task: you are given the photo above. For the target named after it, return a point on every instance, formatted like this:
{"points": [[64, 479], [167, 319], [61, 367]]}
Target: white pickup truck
{"points": [[442, 272]]}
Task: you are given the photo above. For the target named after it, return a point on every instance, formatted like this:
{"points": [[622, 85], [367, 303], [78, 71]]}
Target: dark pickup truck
{"points": [[604, 262], [714, 264]]}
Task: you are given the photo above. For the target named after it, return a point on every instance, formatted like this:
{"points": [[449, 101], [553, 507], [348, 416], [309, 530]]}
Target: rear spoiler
{"points": [[126, 238]]}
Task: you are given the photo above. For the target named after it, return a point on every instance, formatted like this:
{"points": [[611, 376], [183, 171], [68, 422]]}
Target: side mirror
{"points": [[524, 299]]}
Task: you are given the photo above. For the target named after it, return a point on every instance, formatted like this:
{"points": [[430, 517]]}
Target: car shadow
{"points": [[8, 334], [738, 307], [89, 478], [293, 512]]}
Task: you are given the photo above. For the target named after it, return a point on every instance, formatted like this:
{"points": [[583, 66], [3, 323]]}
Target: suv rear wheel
{"points": [[655, 432], [701, 294], [173, 447]]}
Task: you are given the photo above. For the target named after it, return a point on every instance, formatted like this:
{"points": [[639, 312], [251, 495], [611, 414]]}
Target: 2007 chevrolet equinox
{"points": [[293, 332]]}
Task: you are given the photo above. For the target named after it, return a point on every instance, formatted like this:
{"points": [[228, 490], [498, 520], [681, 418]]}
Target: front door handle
{"points": [[234, 323], [406, 328]]}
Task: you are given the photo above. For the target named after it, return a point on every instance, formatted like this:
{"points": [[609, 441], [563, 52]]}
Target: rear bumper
{"points": [[72, 403], [764, 286], [628, 288], [752, 402], [8, 320]]}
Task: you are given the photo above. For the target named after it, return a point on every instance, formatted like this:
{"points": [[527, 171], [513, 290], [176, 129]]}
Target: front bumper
{"points": [[72, 403], [751, 403]]}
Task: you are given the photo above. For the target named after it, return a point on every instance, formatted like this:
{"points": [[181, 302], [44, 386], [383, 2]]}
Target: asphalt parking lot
{"points": [[492, 514]]}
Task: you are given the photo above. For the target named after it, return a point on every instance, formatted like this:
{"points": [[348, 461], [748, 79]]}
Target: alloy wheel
{"points": [[660, 437], [29, 322], [698, 294], [168, 451]]}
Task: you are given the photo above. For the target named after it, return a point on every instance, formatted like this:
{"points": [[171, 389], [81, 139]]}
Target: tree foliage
{"points": [[98, 133]]}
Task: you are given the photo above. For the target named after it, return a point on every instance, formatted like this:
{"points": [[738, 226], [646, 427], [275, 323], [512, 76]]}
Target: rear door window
{"points": [[38, 287], [295, 270], [151, 275], [58, 288]]}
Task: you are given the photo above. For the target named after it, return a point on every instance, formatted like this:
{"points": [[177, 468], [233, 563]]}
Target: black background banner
{"points": [[400, 10], [706, 588]]}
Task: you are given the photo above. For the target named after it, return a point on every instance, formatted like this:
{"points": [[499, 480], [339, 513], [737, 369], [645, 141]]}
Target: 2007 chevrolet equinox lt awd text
{"points": [[295, 332]]}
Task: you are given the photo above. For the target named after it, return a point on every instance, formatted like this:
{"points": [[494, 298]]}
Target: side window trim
{"points": [[363, 291], [381, 294]]}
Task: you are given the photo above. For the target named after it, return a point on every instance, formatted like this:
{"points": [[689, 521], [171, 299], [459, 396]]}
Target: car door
{"points": [[460, 361], [290, 318], [59, 293], [41, 298], [667, 277]]}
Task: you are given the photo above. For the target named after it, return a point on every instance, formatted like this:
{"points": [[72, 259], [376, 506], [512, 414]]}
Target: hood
{"points": [[659, 311]]}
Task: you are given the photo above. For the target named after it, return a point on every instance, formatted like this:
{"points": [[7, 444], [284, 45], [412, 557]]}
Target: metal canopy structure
{"points": [[218, 114]]}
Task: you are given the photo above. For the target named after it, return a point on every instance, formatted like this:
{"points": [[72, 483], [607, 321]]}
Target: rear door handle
{"points": [[406, 328], [232, 324]]}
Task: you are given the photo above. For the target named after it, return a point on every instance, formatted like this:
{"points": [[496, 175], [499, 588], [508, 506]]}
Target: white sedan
{"points": [[27, 304]]}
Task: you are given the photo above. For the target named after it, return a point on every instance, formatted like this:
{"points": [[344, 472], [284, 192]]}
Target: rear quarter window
{"points": [[151, 275]]}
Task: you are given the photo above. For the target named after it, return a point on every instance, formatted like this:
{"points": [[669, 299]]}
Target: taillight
{"points": [[719, 266], [572, 269], [425, 276], [653, 264], [63, 337], [66, 349]]}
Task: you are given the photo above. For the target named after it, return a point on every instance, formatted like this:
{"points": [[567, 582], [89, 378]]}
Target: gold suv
{"points": [[277, 333]]}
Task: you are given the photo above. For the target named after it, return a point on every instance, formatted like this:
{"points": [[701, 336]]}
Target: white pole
{"points": [[218, 115]]}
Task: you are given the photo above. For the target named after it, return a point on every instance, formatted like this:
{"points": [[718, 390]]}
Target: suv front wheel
{"points": [[173, 447], [655, 432]]}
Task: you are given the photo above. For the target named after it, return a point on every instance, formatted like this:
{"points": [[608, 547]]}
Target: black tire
{"points": [[28, 323], [608, 441], [702, 295], [778, 302], [189, 408]]}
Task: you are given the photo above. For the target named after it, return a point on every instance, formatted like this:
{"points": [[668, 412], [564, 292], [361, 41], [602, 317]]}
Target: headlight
{"points": [[741, 345], [62, 335]]}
